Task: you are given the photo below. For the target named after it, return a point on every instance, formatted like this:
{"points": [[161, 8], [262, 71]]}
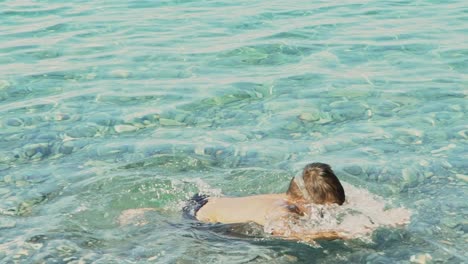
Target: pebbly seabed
{"points": [[113, 105]]}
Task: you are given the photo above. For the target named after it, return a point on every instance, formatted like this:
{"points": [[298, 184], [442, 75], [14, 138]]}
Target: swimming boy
{"points": [[316, 185]]}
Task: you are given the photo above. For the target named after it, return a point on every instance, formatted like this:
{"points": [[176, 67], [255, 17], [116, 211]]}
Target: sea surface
{"points": [[114, 105]]}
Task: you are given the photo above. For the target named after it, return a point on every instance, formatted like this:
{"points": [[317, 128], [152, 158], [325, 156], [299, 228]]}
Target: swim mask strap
{"points": [[299, 180]]}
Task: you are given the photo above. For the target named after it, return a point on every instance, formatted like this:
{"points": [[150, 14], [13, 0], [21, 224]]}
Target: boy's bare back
{"points": [[257, 209]]}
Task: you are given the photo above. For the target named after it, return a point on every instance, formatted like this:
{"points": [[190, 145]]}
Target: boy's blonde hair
{"points": [[320, 185]]}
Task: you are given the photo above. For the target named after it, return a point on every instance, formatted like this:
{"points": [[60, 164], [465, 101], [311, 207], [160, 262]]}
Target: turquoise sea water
{"points": [[111, 105]]}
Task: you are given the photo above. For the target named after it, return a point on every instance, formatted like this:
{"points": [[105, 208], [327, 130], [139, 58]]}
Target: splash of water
{"points": [[358, 217]]}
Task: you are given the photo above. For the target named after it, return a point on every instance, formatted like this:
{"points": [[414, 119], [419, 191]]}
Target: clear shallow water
{"points": [[112, 105]]}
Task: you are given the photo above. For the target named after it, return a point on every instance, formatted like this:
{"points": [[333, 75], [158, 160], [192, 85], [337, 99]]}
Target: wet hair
{"points": [[320, 183]]}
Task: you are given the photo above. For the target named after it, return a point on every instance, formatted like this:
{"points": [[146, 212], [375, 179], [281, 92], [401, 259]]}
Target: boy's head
{"points": [[317, 184]]}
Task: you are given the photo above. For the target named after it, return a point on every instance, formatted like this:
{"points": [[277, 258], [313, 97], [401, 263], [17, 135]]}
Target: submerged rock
{"points": [[310, 116], [462, 177], [82, 131], [204, 122], [125, 128], [61, 117], [110, 149], [410, 177], [14, 122], [169, 122], [4, 84], [353, 170], [4, 191], [421, 258], [103, 119], [120, 73], [463, 133], [21, 183], [385, 108], [180, 117], [37, 150], [235, 135], [67, 147], [293, 126], [6, 222], [8, 179]]}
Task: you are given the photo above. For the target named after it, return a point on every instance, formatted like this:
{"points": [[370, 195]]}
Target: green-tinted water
{"points": [[111, 105]]}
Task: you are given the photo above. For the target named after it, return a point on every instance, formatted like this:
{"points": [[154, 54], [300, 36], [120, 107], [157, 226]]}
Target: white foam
{"points": [[358, 217]]}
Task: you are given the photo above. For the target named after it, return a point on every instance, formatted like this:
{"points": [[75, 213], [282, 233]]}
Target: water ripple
{"points": [[112, 105]]}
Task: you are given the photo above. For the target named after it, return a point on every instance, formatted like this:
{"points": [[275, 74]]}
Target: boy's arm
{"points": [[308, 236]]}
